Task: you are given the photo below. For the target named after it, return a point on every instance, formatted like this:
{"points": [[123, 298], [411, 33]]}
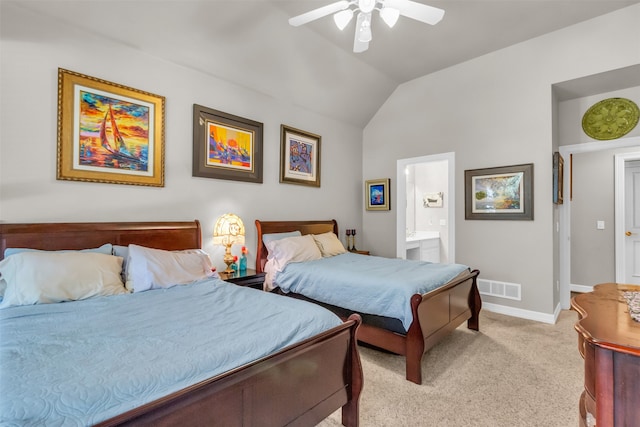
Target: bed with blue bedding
{"points": [[204, 352], [407, 306]]}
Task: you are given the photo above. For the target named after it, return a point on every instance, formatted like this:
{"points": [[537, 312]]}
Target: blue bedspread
{"points": [[366, 284], [78, 363]]}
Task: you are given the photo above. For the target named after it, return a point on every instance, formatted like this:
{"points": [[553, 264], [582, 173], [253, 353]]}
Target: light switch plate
{"points": [[600, 225]]}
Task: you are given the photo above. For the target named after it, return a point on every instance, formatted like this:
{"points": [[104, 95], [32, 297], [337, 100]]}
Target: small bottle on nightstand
{"points": [[243, 260]]}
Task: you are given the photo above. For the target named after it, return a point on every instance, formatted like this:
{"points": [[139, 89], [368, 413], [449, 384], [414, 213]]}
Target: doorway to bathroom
{"points": [[425, 222]]}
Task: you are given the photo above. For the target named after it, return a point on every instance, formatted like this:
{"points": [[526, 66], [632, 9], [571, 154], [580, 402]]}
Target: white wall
{"points": [[31, 50], [497, 110], [592, 250], [433, 177]]}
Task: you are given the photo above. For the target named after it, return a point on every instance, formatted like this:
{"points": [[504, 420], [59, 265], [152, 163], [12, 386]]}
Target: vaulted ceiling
{"points": [[250, 43]]}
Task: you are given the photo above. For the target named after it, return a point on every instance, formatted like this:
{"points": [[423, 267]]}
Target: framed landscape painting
{"points": [[299, 157], [226, 146], [108, 132], [499, 193]]}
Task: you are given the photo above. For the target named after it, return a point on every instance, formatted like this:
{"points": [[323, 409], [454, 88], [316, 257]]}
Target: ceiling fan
{"points": [[389, 10]]}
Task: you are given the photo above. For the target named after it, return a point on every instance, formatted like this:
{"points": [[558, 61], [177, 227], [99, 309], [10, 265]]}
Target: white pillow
{"points": [[269, 237], [42, 278], [329, 244], [149, 268], [104, 249], [290, 249]]}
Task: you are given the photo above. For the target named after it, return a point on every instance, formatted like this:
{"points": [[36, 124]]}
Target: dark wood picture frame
{"points": [[299, 157], [558, 178], [512, 188], [226, 146]]}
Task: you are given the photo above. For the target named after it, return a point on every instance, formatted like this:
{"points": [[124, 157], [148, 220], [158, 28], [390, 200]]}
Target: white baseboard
{"points": [[524, 314], [580, 288]]}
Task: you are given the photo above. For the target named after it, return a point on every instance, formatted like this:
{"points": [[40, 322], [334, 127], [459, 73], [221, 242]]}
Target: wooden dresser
{"points": [[609, 342]]}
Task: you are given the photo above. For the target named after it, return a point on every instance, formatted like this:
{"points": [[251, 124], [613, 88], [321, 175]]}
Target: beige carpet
{"points": [[512, 373]]}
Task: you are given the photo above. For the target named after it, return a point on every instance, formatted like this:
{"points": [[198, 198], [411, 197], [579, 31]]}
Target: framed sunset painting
{"points": [[504, 192], [226, 146], [108, 132]]}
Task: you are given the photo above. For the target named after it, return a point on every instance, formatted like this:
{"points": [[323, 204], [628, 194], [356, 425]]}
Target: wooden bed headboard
{"points": [[305, 227], [80, 235]]}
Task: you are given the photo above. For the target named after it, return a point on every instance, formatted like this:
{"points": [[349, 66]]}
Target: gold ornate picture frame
{"points": [[108, 132], [376, 193]]}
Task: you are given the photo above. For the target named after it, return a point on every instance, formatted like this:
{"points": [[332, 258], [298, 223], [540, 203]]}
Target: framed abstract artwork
{"points": [[108, 132], [299, 157], [226, 146], [377, 194], [558, 177], [499, 193]]}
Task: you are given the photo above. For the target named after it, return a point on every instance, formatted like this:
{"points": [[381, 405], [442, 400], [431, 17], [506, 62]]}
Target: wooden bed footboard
{"points": [[435, 315], [298, 386]]}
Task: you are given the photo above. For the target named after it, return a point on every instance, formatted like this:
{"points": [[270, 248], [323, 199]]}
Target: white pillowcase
{"points": [[42, 277], [149, 268], [329, 244], [269, 237], [290, 249]]}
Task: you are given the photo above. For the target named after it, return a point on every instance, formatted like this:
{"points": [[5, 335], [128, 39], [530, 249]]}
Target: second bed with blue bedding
{"points": [[407, 306]]}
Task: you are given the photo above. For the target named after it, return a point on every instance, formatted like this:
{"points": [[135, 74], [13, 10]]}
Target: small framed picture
{"points": [[433, 200], [377, 195], [299, 157], [558, 177]]}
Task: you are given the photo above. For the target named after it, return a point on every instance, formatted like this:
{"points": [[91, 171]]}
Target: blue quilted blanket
{"points": [[366, 284], [78, 363]]}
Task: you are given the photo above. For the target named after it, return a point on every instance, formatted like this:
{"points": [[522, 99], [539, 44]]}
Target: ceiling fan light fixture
{"points": [[390, 10], [364, 31], [343, 18], [366, 6], [389, 16]]}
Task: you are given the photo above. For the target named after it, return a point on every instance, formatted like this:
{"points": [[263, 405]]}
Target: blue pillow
{"points": [[107, 248], [270, 237]]}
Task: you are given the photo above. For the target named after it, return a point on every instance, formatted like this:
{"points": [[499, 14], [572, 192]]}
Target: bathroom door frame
{"points": [[449, 199]]}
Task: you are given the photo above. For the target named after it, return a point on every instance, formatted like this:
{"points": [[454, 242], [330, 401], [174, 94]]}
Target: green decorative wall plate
{"points": [[610, 118]]}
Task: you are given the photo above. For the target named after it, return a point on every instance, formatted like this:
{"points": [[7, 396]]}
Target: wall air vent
{"points": [[495, 288]]}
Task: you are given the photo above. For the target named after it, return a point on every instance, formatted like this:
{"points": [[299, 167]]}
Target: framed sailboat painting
{"points": [[108, 132]]}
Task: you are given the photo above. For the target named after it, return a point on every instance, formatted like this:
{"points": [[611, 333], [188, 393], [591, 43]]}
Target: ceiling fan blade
{"points": [[418, 11], [358, 45], [318, 13]]}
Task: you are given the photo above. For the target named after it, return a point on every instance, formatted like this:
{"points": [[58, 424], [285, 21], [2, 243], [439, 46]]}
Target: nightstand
{"points": [[247, 278], [359, 252]]}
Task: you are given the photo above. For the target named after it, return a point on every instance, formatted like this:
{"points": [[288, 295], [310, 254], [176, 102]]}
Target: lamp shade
{"points": [[229, 230]]}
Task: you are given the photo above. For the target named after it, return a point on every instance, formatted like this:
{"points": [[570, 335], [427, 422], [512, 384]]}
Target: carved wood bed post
{"points": [[414, 345], [351, 411], [475, 303]]}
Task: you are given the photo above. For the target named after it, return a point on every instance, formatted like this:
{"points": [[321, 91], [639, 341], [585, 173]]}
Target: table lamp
{"points": [[229, 230]]}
